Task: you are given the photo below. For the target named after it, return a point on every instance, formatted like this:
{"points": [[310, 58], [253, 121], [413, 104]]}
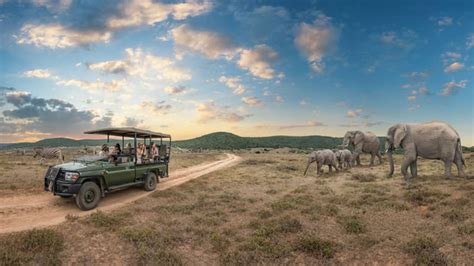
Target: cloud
{"points": [[97, 23], [39, 73], [412, 98], [210, 111], [453, 87], [470, 41], [316, 40], [414, 108], [145, 65], [454, 67], [445, 21], [424, 90], [210, 44], [52, 116], [57, 36], [176, 90], [132, 122], [53, 5], [258, 61], [406, 86], [252, 101], [417, 75], [303, 102], [354, 113], [234, 83], [279, 99], [114, 85], [404, 39], [158, 108], [148, 12]]}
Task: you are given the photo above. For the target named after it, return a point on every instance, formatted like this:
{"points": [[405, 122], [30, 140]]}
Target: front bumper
{"points": [[58, 186]]}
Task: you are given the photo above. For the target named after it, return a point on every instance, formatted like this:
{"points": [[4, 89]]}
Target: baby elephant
{"points": [[322, 157], [344, 158]]}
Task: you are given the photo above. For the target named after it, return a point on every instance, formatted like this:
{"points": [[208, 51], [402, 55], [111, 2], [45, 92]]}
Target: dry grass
{"points": [[263, 211]]}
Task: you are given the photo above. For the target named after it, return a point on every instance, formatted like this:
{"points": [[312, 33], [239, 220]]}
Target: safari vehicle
{"points": [[89, 178]]}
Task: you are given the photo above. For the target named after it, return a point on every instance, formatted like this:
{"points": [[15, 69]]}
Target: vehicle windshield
{"points": [[91, 158]]}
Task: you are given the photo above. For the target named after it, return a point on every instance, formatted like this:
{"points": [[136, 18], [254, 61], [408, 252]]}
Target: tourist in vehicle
{"points": [[155, 153], [141, 151], [104, 150]]}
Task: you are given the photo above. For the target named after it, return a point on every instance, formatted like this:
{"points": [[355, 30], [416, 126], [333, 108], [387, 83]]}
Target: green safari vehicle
{"points": [[89, 178]]}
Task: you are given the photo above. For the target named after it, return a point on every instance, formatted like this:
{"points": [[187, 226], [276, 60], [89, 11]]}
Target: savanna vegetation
{"points": [[263, 211]]}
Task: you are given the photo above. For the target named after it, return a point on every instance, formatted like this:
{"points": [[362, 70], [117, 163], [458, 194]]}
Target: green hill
{"points": [[213, 141]]}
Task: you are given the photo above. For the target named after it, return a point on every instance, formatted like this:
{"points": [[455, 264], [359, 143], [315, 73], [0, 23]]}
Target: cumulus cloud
{"points": [[145, 65], [234, 83], [354, 113], [113, 17], [424, 90], [412, 98], [210, 111], [53, 5], [252, 101], [39, 73], [176, 90], [158, 108], [131, 122], [416, 76], [279, 99], [454, 67], [363, 124], [58, 36], [316, 40], [114, 85], [470, 41], [52, 116], [148, 12], [258, 61], [210, 44], [453, 87]]}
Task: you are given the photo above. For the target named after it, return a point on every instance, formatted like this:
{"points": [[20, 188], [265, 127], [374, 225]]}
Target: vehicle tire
{"points": [[88, 196], [150, 182]]}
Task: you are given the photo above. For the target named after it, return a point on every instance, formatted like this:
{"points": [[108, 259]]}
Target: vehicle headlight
{"points": [[70, 176]]}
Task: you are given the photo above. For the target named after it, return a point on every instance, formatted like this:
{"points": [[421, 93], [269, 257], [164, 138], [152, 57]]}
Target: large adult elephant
{"points": [[434, 140], [363, 142]]}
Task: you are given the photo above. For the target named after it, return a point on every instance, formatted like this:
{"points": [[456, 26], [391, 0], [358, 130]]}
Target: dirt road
{"points": [[32, 211]]}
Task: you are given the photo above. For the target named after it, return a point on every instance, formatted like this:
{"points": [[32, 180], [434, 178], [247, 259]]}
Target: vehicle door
{"points": [[120, 173]]}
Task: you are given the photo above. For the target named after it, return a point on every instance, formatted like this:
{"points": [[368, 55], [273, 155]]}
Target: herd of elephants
{"points": [[433, 140]]}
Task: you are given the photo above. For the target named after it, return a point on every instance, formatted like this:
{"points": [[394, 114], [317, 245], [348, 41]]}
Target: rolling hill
{"points": [[214, 141]]}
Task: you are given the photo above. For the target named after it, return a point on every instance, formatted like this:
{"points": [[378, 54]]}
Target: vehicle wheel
{"points": [[150, 182], [65, 197], [88, 196]]}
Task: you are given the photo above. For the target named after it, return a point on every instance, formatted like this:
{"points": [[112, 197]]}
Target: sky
{"points": [[253, 68]]}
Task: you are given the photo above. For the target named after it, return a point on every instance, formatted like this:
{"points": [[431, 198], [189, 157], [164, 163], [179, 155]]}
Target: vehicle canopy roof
{"points": [[128, 132]]}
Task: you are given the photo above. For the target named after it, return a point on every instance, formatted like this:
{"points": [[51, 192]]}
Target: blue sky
{"points": [[250, 67]]}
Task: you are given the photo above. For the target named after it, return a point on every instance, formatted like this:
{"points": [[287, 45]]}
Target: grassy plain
{"points": [[263, 211]]}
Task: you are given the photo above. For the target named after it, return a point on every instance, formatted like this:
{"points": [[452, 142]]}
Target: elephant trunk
{"points": [[390, 159], [307, 166]]}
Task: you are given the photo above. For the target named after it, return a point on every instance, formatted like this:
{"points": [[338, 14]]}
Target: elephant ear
{"points": [[400, 133], [358, 137]]}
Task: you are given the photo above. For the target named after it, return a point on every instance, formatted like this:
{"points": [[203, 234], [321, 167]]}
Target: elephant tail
{"points": [[459, 150]]}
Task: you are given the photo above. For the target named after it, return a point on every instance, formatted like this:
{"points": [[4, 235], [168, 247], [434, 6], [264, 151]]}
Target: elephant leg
{"points": [[407, 162], [319, 171], [330, 168], [355, 157], [459, 164], [413, 169], [447, 168], [379, 156], [358, 160], [372, 156]]}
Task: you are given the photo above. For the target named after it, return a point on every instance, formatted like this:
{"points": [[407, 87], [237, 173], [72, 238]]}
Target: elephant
{"points": [[344, 158], [322, 157], [433, 140], [363, 142]]}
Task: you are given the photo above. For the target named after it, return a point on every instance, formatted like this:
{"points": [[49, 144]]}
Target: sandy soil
{"points": [[24, 212]]}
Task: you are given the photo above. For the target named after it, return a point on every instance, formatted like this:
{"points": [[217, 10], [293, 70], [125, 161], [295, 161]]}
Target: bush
{"points": [[426, 252], [316, 247]]}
